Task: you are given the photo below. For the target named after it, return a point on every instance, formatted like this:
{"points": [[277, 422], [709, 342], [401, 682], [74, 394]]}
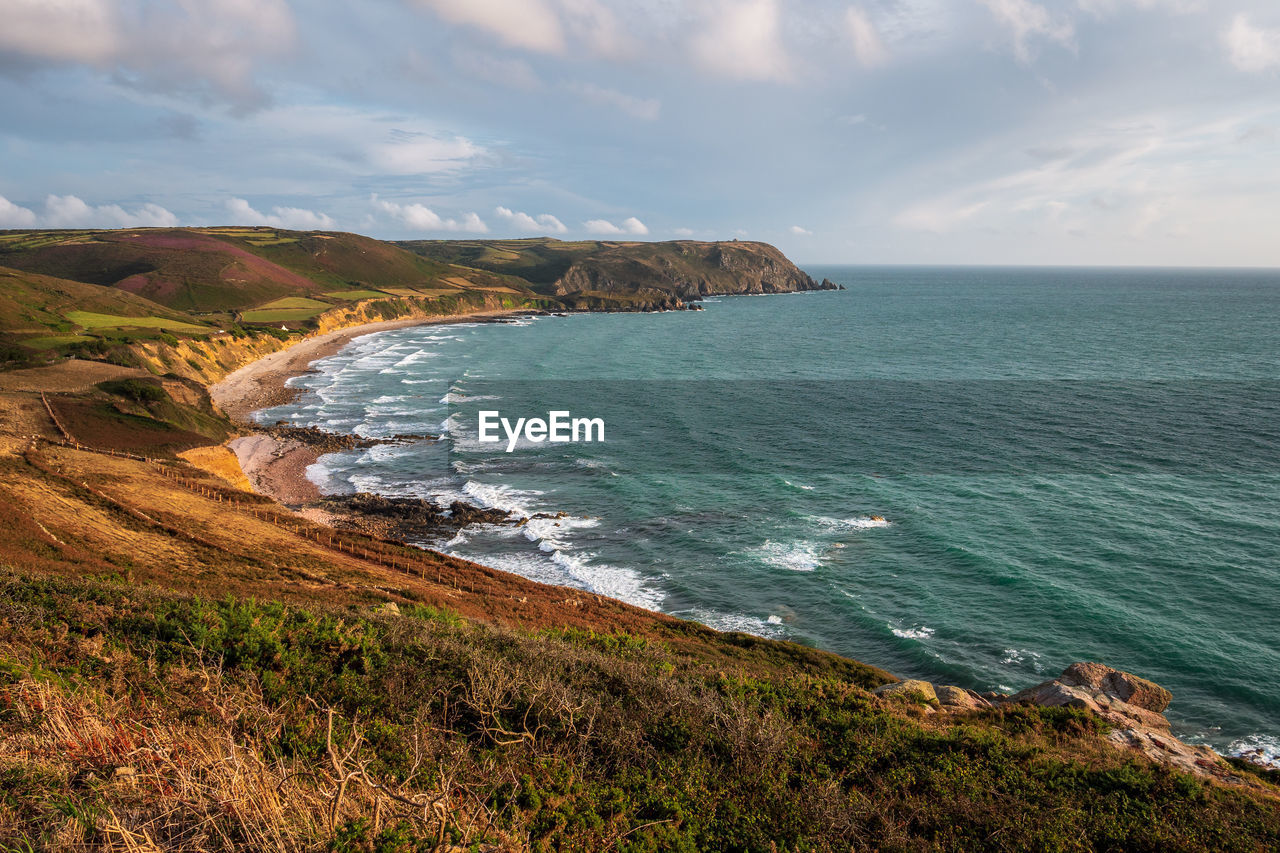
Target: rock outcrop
{"points": [[1131, 705], [650, 276]]}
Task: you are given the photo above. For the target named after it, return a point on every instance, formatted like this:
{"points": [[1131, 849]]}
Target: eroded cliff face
{"points": [[649, 276], [208, 361]]}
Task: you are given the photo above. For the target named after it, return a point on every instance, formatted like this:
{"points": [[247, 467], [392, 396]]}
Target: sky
{"points": [[1142, 132]]}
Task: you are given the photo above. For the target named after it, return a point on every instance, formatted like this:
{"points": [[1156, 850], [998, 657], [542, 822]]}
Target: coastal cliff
{"points": [[628, 275], [649, 276]]}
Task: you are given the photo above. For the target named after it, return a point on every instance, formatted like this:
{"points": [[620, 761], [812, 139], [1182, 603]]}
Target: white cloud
{"points": [[523, 223], [630, 225], [529, 24], [71, 30], [421, 154], [15, 216], [800, 232], [292, 218], [743, 39], [646, 109], [1251, 48], [419, 217], [1027, 20], [211, 45], [683, 232], [68, 211], [868, 47]]}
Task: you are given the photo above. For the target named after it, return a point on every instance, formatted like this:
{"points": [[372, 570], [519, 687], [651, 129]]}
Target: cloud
{"points": [[211, 46], [68, 211], [683, 232], [1250, 48], [291, 218], [419, 217], [86, 31], [523, 223], [630, 225], [1026, 20], [868, 47], [646, 109], [742, 39], [422, 154], [528, 24], [800, 232], [1126, 180], [15, 216]]}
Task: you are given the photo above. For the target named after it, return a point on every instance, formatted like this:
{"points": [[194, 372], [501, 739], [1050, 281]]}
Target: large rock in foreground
{"points": [[1119, 685]]}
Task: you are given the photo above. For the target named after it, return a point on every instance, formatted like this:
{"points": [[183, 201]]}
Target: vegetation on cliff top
{"points": [[95, 294], [183, 723]]}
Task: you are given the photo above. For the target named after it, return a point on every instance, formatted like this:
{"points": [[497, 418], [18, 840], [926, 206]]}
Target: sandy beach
{"points": [[276, 467], [261, 383]]}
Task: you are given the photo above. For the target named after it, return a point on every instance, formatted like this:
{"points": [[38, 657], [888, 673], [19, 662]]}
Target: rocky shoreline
{"points": [[1130, 706], [275, 460]]}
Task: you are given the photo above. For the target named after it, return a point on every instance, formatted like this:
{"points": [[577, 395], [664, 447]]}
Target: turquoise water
{"points": [[1069, 465]]}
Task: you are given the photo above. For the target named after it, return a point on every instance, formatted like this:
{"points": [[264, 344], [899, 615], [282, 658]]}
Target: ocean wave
{"points": [[861, 522], [800, 486], [918, 632], [740, 622], [1260, 749], [612, 581], [496, 496], [795, 556], [457, 540], [1018, 657], [550, 533], [416, 357]]}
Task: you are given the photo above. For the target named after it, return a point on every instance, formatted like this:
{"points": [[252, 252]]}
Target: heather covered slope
{"points": [[210, 270]]}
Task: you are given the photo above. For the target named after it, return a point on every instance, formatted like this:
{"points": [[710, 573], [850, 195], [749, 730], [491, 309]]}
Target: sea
{"points": [[975, 476]]}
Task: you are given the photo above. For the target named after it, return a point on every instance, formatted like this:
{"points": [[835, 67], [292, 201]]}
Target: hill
{"points": [[596, 276], [224, 270]]}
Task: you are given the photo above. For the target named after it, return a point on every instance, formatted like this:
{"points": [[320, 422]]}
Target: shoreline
{"points": [[278, 468], [260, 384]]}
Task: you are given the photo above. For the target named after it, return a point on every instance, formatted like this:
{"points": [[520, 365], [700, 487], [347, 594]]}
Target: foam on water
{"points": [[1260, 749], [918, 632], [862, 522], [741, 622], [795, 556]]}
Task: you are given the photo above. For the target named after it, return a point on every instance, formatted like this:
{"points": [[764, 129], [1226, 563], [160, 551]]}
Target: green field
{"points": [[356, 294], [91, 320], [52, 341], [293, 302], [290, 309]]}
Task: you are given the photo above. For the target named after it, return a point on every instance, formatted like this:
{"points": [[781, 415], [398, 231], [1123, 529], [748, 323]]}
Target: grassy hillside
{"points": [[96, 294], [541, 261], [227, 270]]}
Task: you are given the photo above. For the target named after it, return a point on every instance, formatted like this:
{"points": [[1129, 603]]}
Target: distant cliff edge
{"points": [[629, 276]]}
